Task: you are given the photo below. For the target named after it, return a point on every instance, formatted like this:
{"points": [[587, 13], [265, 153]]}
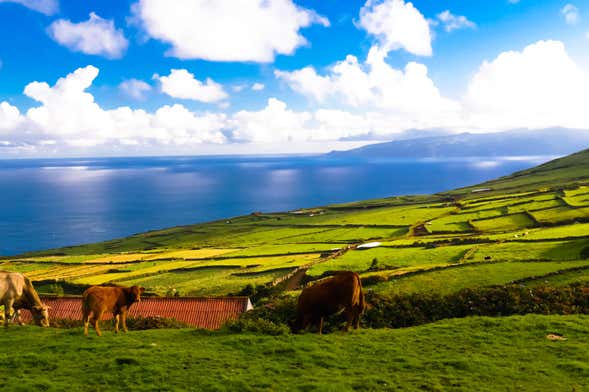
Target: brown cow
{"points": [[342, 292], [116, 299]]}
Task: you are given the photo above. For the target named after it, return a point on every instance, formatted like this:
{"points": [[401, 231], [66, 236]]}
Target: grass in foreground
{"points": [[479, 353]]}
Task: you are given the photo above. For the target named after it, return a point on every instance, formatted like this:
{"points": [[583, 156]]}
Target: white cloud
{"points": [[47, 7], [307, 82], [135, 89], [70, 116], [258, 86], [238, 87], [570, 14], [226, 30], [95, 36], [10, 117], [537, 87], [541, 86], [397, 25], [182, 84], [408, 94], [453, 22], [273, 123]]}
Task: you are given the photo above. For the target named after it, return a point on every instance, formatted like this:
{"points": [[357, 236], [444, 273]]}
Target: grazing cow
{"points": [[341, 292], [17, 292], [116, 299]]}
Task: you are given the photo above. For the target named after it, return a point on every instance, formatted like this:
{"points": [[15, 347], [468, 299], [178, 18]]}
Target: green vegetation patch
{"points": [[392, 258], [504, 223], [219, 280], [560, 214], [472, 354], [400, 216], [452, 279], [523, 251]]}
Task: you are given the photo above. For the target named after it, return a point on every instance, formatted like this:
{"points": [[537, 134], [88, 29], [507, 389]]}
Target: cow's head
{"points": [[136, 292], [41, 315]]}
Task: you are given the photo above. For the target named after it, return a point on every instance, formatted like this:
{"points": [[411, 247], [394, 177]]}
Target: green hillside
{"points": [[530, 225]]}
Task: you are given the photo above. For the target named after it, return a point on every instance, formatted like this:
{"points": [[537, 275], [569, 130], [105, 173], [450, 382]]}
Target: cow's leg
{"points": [[124, 320], [356, 320], [321, 326], [117, 318], [95, 319], [349, 313], [86, 320], [7, 311], [7, 307]]}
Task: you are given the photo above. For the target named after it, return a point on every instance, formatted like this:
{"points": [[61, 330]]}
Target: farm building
{"points": [[200, 312]]}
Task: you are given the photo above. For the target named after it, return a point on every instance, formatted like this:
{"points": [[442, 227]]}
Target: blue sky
{"points": [[185, 77]]}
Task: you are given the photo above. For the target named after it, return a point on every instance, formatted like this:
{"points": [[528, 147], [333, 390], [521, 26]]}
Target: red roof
{"points": [[209, 313]]}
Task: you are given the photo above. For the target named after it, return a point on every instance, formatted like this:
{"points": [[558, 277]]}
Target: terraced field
{"points": [[533, 224]]}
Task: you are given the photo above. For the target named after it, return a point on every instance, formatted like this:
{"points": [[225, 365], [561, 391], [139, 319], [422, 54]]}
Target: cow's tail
{"points": [[361, 300], [85, 308]]}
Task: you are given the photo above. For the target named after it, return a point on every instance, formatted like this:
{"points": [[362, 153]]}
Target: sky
{"points": [[191, 77]]}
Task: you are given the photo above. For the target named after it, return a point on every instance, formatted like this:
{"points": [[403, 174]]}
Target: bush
{"points": [[414, 309], [396, 311], [256, 325], [372, 280]]}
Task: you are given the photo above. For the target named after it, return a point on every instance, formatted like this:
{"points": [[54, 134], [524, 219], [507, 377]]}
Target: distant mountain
{"points": [[552, 141]]}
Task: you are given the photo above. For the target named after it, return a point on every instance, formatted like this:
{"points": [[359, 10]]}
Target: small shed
{"points": [[200, 312]]}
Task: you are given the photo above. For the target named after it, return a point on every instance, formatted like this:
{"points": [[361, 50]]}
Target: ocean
{"points": [[48, 203]]}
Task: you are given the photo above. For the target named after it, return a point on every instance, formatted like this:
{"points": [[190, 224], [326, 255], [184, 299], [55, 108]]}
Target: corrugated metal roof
{"points": [[209, 313]]}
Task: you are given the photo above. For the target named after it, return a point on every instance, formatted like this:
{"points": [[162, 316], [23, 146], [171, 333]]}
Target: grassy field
{"points": [[472, 354]]}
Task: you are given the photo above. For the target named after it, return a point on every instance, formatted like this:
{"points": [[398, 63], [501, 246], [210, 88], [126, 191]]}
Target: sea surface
{"points": [[48, 203]]}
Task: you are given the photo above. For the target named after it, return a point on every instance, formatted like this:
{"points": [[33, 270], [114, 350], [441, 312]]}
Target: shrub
{"points": [[414, 309], [256, 325], [395, 311]]}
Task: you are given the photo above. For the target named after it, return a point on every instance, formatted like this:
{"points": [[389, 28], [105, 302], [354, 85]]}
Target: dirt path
{"points": [[293, 279]]}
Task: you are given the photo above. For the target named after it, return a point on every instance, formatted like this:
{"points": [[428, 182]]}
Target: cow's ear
{"points": [[142, 290]]}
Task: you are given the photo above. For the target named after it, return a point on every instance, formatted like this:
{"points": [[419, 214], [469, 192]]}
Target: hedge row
{"points": [[396, 311]]}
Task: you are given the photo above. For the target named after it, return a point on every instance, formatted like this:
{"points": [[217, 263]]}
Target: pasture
{"points": [[476, 353]]}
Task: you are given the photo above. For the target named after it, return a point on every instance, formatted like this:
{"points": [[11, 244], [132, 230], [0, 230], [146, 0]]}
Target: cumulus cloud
{"points": [[181, 84], [454, 22], [397, 25], [69, 116], [10, 117], [273, 123], [226, 30], [408, 93], [47, 7], [570, 14], [95, 36], [540, 86], [537, 87], [134, 88]]}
